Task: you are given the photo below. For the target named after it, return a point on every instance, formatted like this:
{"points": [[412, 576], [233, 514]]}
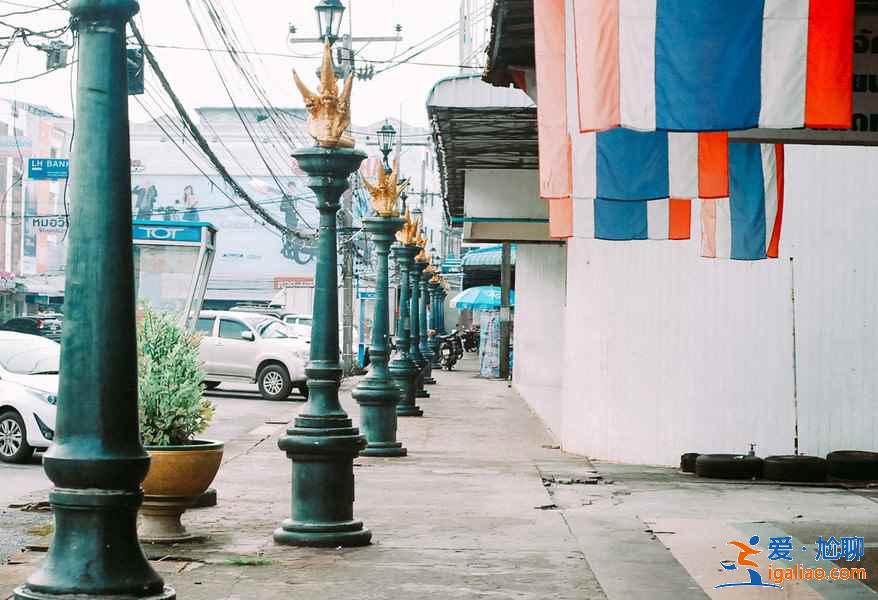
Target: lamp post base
{"points": [[23, 593], [323, 485], [347, 535], [385, 450], [378, 399]]}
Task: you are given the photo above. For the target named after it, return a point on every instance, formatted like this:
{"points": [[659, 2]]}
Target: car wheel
{"points": [[303, 390], [211, 385], [800, 469], [853, 465], [274, 383], [13, 439], [728, 466]]}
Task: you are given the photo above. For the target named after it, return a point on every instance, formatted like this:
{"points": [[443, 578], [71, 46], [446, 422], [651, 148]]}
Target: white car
{"points": [[252, 348], [28, 394]]}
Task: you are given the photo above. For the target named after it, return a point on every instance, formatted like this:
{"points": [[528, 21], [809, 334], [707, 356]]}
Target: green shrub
{"points": [[172, 407]]}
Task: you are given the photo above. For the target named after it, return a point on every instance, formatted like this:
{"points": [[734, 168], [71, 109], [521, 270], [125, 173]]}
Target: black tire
{"points": [[274, 382], [802, 469], [853, 465], [13, 439], [728, 466], [211, 385], [687, 462], [303, 389]]}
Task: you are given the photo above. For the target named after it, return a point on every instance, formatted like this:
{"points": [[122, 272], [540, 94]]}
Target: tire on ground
{"points": [[853, 465], [728, 466], [804, 469], [274, 382], [8, 420], [303, 389], [687, 462]]}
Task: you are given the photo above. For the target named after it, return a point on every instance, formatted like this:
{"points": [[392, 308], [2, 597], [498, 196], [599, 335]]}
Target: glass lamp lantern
{"points": [[386, 140], [329, 14]]}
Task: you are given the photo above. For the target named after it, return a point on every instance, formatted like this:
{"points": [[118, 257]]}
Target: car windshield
{"points": [[31, 357], [274, 330]]}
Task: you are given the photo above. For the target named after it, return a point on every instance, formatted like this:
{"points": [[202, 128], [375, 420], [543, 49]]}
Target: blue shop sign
{"points": [[367, 295], [48, 168], [161, 232]]}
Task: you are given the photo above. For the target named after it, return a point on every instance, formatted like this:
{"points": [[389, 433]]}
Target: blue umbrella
{"points": [[484, 297]]}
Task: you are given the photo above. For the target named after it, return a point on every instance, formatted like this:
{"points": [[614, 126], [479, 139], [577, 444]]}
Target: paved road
{"points": [[241, 417]]}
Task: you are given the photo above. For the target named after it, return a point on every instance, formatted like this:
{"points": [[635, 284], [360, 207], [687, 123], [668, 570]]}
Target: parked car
{"points": [[301, 325], [277, 312], [28, 394], [252, 348], [45, 325]]}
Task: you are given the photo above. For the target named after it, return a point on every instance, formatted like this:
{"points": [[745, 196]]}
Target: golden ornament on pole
{"points": [[386, 191], [329, 112], [408, 235]]}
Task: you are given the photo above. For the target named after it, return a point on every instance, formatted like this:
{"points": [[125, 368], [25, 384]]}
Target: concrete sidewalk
{"points": [[464, 516], [486, 506]]}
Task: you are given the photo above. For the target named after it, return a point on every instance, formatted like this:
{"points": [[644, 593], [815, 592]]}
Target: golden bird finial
{"points": [[329, 112], [409, 232], [386, 191]]}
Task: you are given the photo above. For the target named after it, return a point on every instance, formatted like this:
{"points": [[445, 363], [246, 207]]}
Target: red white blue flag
{"points": [[712, 65], [747, 224]]}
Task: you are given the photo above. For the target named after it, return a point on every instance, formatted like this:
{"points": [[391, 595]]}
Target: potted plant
{"points": [[173, 411]]}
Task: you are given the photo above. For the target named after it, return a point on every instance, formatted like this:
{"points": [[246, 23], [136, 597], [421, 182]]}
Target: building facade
{"points": [[639, 351], [33, 208]]}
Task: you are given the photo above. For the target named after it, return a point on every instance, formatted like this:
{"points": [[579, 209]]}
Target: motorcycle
{"points": [[471, 340], [450, 350]]}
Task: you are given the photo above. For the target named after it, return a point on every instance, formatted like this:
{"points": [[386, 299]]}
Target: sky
{"points": [[260, 25]]}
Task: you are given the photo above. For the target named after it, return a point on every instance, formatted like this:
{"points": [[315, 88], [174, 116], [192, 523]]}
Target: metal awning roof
{"points": [[490, 257], [478, 126], [512, 39]]}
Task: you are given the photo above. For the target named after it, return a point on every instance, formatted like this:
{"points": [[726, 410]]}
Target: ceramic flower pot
{"points": [[177, 477]]}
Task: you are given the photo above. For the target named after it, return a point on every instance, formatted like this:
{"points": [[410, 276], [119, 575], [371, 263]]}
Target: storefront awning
{"points": [[478, 126]]}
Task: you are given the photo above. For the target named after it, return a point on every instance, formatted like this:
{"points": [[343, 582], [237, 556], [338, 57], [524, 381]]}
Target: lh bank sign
{"points": [[48, 168]]}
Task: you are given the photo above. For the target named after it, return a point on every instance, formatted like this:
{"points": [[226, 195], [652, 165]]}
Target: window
{"points": [[205, 326], [232, 330]]}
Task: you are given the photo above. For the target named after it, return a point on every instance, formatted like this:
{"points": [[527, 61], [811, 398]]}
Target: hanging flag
{"points": [[666, 219], [554, 138], [696, 65], [747, 224]]}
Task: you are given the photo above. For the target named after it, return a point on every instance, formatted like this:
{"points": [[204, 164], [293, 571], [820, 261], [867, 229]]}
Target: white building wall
{"points": [[539, 329], [670, 353]]}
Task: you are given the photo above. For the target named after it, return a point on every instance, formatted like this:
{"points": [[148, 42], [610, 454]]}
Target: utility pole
{"points": [[505, 309], [347, 349]]}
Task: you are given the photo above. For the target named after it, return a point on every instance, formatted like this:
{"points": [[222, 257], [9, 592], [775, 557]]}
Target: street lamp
{"points": [[329, 14], [386, 141], [322, 441]]}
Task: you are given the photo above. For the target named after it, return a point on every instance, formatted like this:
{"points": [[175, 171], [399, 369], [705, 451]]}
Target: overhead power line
{"points": [[204, 145]]}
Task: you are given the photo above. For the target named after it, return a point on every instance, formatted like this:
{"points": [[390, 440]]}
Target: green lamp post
{"points": [[434, 342], [322, 442], [377, 394], [415, 274], [97, 462], [402, 367], [443, 296], [426, 351]]}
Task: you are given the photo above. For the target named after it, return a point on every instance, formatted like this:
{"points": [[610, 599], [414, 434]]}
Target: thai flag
{"points": [[666, 219], [747, 224], [712, 65]]}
